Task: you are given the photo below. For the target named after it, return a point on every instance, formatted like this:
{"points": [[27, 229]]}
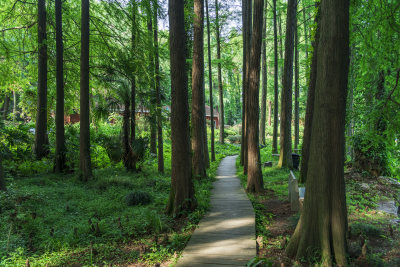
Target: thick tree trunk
{"points": [[182, 191], [276, 82], [133, 79], [2, 181], [264, 81], [41, 148], [296, 87], [60, 139], [160, 141], [323, 221], [254, 176], [220, 89], [210, 83], [285, 158], [247, 37], [85, 166], [199, 168], [305, 152]]}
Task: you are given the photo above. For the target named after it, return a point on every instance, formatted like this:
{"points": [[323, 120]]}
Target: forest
{"points": [[118, 118]]}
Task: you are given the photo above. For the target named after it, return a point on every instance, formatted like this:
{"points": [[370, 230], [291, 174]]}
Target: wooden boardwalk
{"points": [[226, 235]]}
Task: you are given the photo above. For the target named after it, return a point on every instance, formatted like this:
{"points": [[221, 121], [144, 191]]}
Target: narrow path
{"points": [[226, 235]]}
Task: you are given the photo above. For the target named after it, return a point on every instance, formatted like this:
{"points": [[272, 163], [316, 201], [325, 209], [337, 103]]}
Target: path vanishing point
{"points": [[226, 234]]}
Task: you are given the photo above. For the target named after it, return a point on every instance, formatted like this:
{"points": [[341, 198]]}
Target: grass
{"points": [[57, 220]]}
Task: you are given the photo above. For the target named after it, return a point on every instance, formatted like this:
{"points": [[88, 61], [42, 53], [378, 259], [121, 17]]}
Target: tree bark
{"points": [[220, 89], [85, 166], [305, 152], [269, 113], [160, 141], [60, 139], [128, 154], [306, 40], [264, 81], [41, 141], [285, 158], [323, 221], [210, 86], [296, 87], [254, 176], [244, 34], [153, 115], [247, 78], [133, 79], [276, 82], [182, 190], [199, 169], [6, 107]]}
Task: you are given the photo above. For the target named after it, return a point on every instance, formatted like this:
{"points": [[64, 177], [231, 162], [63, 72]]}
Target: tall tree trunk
{"points": [[264, 80], [305, 151], [210, 85], [160, 141], [285, 158], [247, 79], [153, 117], [276, 82], [182, 190], [85, 166], [128, 154], [15, 105], [41, 140], [220, 89], [296, 87], [254, 176], [60, 139], [133, 79], [244, 34], [323, 221], [199, 168]]}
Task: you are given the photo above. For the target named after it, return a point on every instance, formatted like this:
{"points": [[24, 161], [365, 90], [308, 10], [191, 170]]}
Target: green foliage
{"points": [[365, 229], [138, 198]]}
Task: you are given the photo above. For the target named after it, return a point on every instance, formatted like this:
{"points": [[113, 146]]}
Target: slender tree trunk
{"points": [[296, 87], [199, 168], [15, 105], [182, 190], [221, 95], [276, 82], [210, 85], [247, 79], [128, 154], [254, 176], [60, 139], [158, 93], [85, 166], [244, 34], [153, 115], [305, 152], [41, 142], [133, 79], [264, 80], [323, 221], [285, 158], [305, 39]]}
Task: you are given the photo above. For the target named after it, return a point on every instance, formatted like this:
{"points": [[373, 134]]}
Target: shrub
{"points": [[138, 198], [235, 139], [365, 229]]}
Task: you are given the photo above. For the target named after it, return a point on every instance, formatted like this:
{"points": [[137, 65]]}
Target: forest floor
{"points": [[378, 230]]}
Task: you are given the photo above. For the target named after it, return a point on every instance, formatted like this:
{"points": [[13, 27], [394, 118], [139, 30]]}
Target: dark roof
{"points": [[208, 112]]}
